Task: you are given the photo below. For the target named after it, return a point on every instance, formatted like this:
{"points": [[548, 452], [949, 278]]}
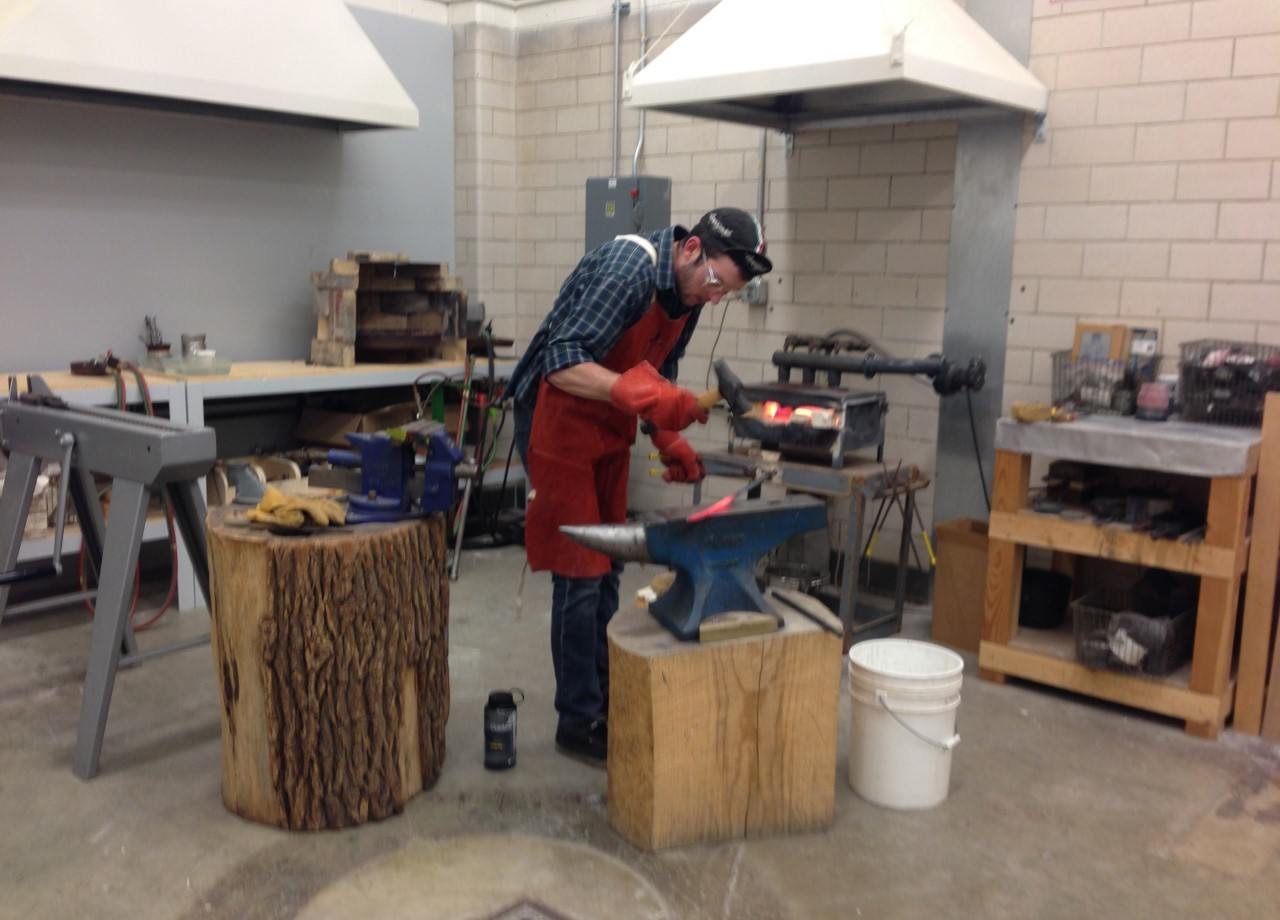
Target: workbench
{"points": [[1200, 693], [187, 395], [858, 482]]}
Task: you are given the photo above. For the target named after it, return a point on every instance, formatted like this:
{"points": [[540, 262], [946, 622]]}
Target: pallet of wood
{"points": [[376, 306]]}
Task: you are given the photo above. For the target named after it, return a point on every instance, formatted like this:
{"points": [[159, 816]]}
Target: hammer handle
{"points": [[709, 398]]}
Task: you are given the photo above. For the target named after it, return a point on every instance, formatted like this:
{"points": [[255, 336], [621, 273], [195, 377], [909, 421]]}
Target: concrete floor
{"points": [[1059, 807]]}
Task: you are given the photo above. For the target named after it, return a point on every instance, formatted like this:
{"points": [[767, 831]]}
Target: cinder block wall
{"points": [[857, 220], [1155, 199]]}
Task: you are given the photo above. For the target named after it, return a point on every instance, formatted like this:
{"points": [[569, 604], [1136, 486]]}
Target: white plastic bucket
{"points": [[905, 696]]}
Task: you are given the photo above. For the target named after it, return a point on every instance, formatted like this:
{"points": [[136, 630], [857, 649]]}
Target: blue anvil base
{"points": [[715, 559]]}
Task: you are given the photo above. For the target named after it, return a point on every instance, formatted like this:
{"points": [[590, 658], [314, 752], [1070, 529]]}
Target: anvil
{"points": [[714, 559]]}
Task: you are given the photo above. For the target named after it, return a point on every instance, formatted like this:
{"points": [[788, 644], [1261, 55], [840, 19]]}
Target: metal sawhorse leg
{"points": [[139, 454]]}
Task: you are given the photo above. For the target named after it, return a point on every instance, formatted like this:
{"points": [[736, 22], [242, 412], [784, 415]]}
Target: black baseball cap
{"points": [[739, 235]]}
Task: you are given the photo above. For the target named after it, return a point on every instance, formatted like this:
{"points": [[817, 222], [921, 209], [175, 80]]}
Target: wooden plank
{"points": [[335, 312], [374, 321], [1226, 520], [331, 281], [1271, 710], [1258, 627], [332, 354], [959, 584], [1004, 558], [453, 350], [1117, 543], [1150, 694], [289, 370], [440, 284], [735, 625], [376, 255], [397, 283], [403, 269]]}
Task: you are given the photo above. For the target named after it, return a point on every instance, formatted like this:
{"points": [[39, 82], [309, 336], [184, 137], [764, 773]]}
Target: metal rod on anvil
{"points": [[948, 377]]}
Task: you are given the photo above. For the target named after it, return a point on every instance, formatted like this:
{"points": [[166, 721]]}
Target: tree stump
{"points": [[721, 741], [332, 655]]}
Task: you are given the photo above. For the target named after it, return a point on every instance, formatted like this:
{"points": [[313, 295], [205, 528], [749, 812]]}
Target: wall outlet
{"points": [[756, 293]]}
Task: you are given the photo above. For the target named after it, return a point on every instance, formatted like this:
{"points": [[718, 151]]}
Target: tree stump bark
{"points": [[332, 655]]}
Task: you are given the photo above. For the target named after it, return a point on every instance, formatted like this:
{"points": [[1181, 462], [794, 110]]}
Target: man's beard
{"points": [[685, 281]]}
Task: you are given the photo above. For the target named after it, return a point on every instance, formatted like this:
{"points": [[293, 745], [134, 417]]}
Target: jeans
{"points": [[581, 609]]}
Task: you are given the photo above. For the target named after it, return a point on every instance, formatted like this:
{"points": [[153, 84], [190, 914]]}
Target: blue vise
{"points": [[390, 489]]}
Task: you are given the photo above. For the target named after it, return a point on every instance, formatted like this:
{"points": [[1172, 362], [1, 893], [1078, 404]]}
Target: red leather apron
{"points": [[580, 455]]}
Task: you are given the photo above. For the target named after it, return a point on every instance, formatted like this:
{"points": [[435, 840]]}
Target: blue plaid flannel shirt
{"points": [[608, 292]]}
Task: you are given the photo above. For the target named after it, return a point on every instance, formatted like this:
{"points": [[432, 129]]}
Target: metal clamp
{"points": [[68, 442], [946, 745]]}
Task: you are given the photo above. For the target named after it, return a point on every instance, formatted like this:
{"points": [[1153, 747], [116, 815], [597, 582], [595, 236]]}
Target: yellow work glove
{"points": [[294, 510], [1040, 412]]}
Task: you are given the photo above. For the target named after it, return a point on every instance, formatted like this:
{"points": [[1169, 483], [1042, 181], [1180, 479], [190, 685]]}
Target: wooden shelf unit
{"points": [[1202, 692]]}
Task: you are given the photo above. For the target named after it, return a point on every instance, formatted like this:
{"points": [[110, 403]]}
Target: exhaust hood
{"points": [[792, 64], [304, 61]]}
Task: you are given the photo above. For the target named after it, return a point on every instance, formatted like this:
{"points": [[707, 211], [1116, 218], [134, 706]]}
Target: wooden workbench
{"points": [[1201, 693]]}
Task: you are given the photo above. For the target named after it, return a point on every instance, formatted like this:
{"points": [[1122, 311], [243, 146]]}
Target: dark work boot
{"points": [[584, 741]]}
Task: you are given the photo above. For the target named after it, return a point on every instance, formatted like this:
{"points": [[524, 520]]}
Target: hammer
{"points": [[728, 387]]}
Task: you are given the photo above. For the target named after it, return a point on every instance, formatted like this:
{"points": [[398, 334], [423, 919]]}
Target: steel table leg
{"points": [[849, 573], [123, 542], [15, 503], [900, 589], [188, 515]]}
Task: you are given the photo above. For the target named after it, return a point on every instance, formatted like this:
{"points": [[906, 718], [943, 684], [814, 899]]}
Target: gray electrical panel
{"points": [[626, 204]]}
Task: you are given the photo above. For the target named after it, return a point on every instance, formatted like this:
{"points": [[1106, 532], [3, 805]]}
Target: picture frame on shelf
{"points": [[1100, 342]]}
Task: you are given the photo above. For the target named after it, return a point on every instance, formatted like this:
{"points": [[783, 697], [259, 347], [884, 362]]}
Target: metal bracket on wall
{"points": [[1042, 129]]}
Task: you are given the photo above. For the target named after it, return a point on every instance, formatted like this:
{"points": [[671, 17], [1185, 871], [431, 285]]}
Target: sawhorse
{"points": [[139, 453]]}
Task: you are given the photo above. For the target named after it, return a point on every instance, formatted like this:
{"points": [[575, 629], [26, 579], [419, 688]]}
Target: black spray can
{"points": [[500, 729]]}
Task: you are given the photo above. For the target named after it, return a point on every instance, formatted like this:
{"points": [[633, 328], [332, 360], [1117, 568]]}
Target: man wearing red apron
{"points": [[603, 358]]}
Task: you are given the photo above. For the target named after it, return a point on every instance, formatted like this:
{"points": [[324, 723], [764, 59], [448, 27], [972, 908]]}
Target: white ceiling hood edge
{"points": [[806, 62], [288, 60]]}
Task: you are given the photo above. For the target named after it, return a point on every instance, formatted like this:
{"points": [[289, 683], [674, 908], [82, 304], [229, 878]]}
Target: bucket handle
{"points": [[946, 745]]}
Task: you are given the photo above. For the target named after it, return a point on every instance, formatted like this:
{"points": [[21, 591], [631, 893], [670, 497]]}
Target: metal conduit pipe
{"points": [[644, 41], [764, 149], [618, 7]]}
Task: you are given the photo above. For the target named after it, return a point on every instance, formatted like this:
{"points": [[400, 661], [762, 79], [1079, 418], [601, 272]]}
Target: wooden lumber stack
{"points": [[408, 311], [381, 306]]}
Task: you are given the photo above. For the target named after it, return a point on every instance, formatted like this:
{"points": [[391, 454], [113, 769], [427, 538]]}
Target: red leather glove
{"points": [[644, 392], [682, 461]]}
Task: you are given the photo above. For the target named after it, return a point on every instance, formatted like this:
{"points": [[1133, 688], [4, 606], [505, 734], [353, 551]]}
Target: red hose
{"points": [[145, 390]]}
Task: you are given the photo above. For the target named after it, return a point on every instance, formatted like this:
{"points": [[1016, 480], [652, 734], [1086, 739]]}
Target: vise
{"points": [[714, 558], [391, 489]]}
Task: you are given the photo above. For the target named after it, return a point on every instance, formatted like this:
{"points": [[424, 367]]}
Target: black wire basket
{"points": [[1116, 630], [1100, 387], [1227, 382]]}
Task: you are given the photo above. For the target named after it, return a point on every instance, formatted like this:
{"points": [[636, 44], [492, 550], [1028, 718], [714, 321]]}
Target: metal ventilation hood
{"points": [[791, 64], [279, 60]]}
